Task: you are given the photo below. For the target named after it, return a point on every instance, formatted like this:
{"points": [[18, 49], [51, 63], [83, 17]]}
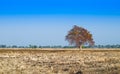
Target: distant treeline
{"points": [[59, 46]]}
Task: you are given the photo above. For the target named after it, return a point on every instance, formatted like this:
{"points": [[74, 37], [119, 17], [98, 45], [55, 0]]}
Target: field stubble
{"points": [[65, 61]]}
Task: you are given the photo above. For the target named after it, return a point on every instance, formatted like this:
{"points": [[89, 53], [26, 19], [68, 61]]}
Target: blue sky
{"points": [[46, 22]]}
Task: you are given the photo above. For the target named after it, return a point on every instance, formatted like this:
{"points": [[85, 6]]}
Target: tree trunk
{"points": [[80, 47]]}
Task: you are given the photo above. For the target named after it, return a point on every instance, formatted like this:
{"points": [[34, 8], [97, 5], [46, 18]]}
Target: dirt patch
{"points": [[59, 62]]}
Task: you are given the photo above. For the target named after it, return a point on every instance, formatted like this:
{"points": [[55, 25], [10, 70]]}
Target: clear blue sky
{"points": [[46, 22]]}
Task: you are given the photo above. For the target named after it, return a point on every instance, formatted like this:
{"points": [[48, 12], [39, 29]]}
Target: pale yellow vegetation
{"points": [[59, 61]]}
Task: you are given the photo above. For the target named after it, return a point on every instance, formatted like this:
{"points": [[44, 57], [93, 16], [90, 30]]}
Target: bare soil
{"points": [[59, 61]]}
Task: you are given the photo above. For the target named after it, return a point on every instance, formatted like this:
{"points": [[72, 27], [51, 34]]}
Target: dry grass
{"points": [[59, 61]]}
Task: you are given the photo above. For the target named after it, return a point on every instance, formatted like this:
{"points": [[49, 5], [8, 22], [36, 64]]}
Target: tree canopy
{"points": [[79, 36]]}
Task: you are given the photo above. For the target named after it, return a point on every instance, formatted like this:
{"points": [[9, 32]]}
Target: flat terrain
{"points": [[59, 61]]}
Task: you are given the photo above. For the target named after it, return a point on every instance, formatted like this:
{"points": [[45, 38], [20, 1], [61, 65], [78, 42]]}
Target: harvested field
{"points": [[59, 61]]}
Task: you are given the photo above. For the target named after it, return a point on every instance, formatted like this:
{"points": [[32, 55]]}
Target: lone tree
{"points": [[79, 36]]}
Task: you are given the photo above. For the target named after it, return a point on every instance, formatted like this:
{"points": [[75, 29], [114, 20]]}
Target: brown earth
{"points": [[59, 61]]}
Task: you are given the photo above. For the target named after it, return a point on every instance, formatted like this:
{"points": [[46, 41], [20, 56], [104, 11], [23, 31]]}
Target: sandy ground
{"points": [[59, 61]]}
